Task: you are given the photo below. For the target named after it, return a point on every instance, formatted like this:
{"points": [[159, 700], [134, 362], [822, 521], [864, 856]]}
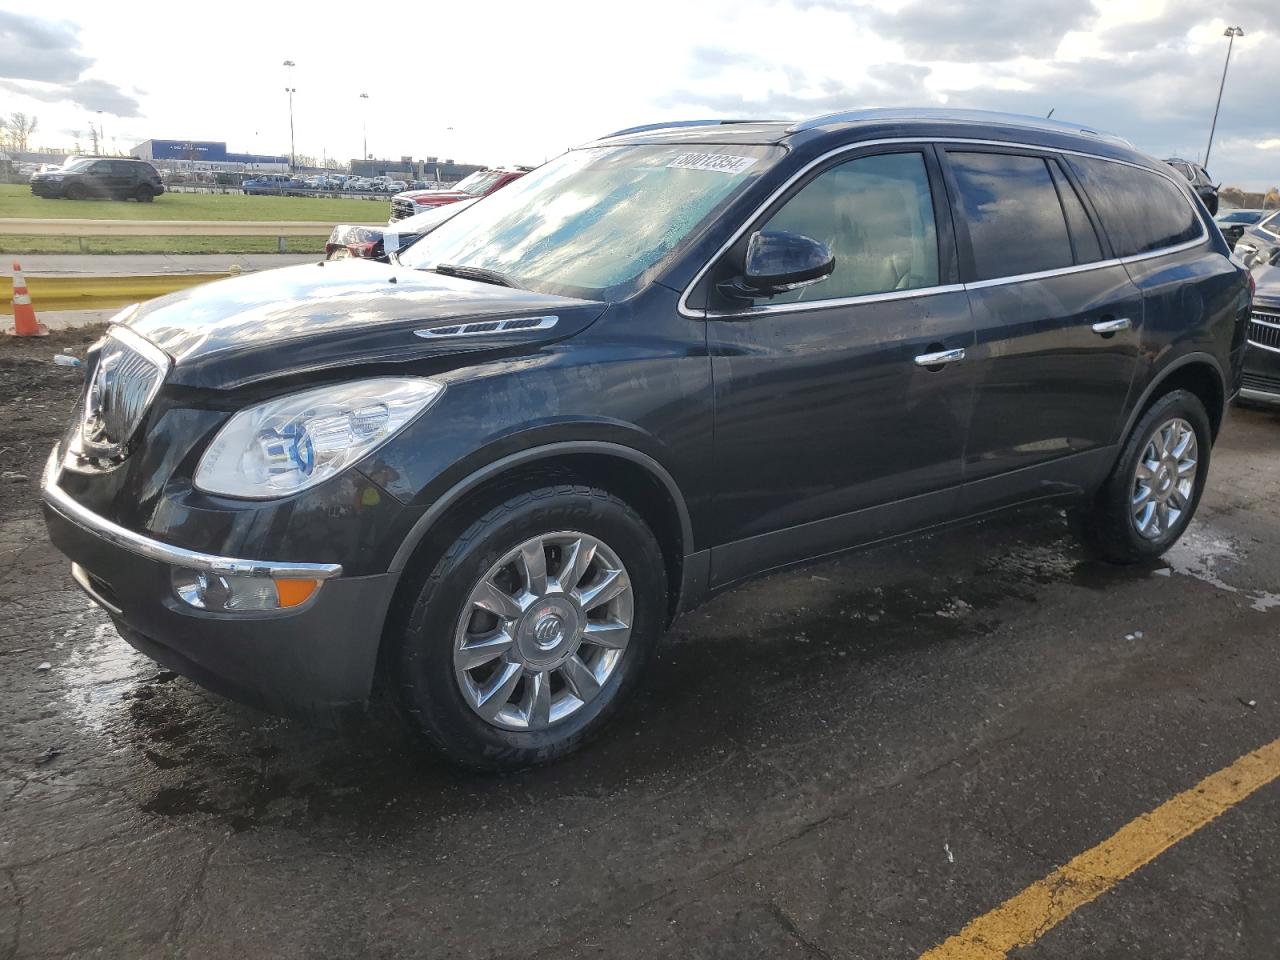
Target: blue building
{"points": [[205, 155]]}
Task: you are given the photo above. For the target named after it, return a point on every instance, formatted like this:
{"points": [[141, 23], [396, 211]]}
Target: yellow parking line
{"points": [[1027, 916]]}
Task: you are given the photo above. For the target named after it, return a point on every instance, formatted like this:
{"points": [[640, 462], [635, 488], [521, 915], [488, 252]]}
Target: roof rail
{"points": [[665, 124], [962, 116]]}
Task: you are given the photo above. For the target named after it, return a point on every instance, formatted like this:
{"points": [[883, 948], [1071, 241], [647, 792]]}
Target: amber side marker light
{"points": [[232, 594], [295, 592]]}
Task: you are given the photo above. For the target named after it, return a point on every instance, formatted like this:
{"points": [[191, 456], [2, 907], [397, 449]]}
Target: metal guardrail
{"points": [[73, 227], [96, 293]]}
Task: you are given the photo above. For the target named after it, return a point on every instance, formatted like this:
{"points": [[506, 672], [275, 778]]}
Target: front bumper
{"points": [[49, 189], [314, 660], [1260, 380]]}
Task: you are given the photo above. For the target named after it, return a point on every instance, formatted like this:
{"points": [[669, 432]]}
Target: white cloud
{"points": [[518, 82]]}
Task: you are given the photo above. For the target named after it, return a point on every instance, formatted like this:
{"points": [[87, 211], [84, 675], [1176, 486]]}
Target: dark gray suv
{"points": [[485, 473], [100, 178]]}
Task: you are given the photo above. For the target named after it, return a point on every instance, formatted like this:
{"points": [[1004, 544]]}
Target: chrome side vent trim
{"points": [[482, 327]]}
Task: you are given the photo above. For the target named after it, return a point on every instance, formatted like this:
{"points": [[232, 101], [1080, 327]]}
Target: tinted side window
{"points": [[1084, 240], [124, 168], [1016, 224], [876, 215], [1140, 210]]}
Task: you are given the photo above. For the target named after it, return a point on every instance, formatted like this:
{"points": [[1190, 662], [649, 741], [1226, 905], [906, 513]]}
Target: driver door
{"points": [[832, 426]]}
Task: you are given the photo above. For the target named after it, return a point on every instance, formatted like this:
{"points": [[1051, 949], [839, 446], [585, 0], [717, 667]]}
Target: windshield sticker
{"points": [[720, 162]]}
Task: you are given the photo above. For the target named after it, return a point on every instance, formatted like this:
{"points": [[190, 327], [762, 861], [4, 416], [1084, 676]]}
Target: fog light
{"points": [[227, 592]]}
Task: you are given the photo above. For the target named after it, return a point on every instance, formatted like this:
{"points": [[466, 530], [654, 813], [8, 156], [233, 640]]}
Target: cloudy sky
{"points": [[518, 81]]}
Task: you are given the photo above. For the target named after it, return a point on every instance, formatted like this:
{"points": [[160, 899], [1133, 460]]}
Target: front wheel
{"points": [[532, 629], [144, 195], [1155, 486]]}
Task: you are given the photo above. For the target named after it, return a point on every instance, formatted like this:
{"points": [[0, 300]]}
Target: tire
{"points": [[144, 195], [440, 694], [77, 191], [1113, 526]]}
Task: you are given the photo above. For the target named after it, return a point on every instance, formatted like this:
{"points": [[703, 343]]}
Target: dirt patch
{"points": [[37, 397]]}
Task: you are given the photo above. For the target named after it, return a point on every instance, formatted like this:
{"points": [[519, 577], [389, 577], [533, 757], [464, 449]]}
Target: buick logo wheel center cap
{"points": [[549, 632]]}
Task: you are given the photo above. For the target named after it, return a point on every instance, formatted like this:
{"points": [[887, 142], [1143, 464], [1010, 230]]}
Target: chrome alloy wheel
{"points": [[543, 631], [1164, 479]]}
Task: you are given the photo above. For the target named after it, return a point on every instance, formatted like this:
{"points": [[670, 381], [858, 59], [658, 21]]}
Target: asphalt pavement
{"points": [[850, 760]]}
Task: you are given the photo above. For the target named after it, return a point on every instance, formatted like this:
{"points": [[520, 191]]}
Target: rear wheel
{"points": [[531, 630], [1154, 489]]}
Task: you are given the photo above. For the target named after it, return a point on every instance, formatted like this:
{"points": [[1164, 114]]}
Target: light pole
{"points": [[291, 90], [1232, 33], [364, 126]]}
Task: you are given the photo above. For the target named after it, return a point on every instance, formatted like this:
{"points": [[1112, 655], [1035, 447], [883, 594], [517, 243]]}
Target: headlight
{"points": [[297, 441]]}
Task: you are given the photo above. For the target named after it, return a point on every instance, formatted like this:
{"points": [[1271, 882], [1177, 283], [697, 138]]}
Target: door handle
{"points": [[1114, 325], [940, 358]]}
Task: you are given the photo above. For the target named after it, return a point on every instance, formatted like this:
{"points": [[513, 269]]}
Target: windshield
{"points": [[477, 183], [79, 163], [592, 221]]}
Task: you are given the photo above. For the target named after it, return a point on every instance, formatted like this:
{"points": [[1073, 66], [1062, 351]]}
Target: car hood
{"points": [[434, 196], [1267, 278], [300, 319], [428, 219]]}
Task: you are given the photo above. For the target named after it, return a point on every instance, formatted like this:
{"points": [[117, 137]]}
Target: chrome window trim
{"points": [[688, 312], [137, 544], [836, 301]]}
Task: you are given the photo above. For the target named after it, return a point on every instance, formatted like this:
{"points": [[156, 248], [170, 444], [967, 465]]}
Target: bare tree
{"points": [[19, 128]]}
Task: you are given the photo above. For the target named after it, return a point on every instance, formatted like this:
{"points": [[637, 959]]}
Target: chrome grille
{"points": [[402, 208], [126, 378], [1264, 330]]}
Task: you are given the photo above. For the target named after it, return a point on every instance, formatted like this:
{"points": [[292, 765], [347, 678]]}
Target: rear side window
{"points": [[1271, 225], [1084, 240], [1140, 210], [1011, 208], [876, 216]]}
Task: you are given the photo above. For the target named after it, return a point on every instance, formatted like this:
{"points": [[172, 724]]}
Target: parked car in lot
{"points": [[355, 240], [479, 184], [1261, 379], [491, 472], [98, 178], [1200, 181], [267, 183], [1259, 242], [1233, 222]]}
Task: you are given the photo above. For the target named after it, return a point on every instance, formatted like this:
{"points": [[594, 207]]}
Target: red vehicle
{"points": [[479, 184]]}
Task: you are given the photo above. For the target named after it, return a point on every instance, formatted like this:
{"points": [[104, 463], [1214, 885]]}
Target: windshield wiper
{"points": [[480, 274]]}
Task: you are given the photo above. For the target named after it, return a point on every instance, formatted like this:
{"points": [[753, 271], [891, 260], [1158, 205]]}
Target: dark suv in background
{"points": [[100, 178], [489, 472], [1200, 181]]}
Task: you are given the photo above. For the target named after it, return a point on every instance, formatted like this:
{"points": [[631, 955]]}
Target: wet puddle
{"points": [[1209, 557]]}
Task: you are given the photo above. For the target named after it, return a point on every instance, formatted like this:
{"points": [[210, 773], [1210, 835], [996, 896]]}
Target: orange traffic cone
{"points": [[24, 317]]}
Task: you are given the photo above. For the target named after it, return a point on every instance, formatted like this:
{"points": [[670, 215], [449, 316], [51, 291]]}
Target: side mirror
{"points": [[778, 261]]}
